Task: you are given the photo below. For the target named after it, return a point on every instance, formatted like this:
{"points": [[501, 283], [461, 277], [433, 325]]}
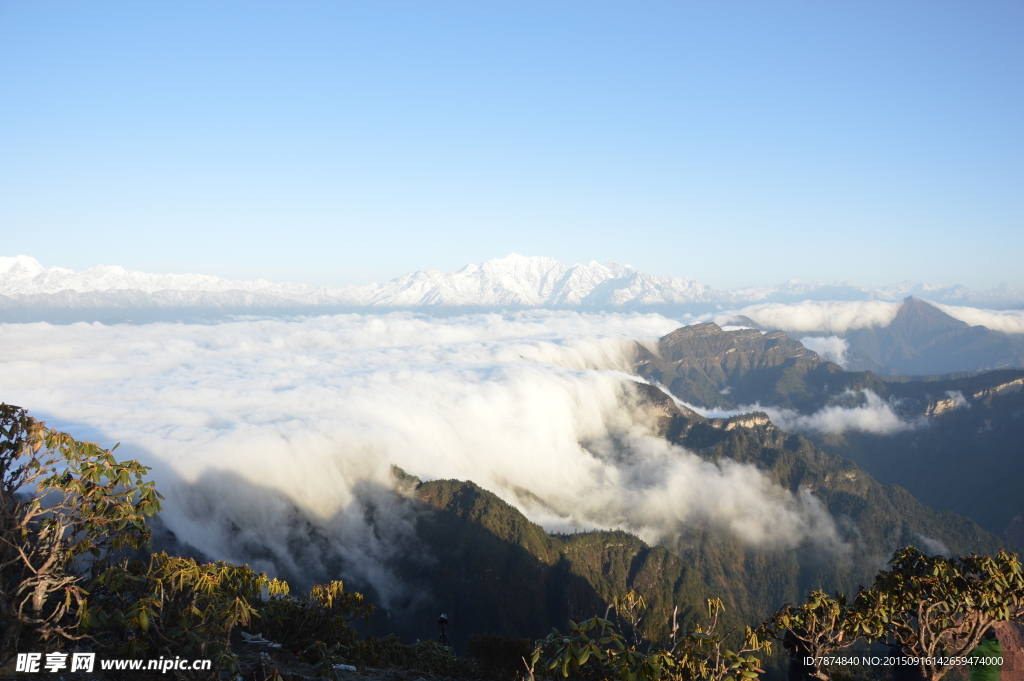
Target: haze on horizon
{"points": [[343, 144]]}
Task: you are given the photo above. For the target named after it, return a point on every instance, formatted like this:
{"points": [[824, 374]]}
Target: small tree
{"points": [[630, 606], [816, 629], [938, 608], [702, 653], [65, 506]]}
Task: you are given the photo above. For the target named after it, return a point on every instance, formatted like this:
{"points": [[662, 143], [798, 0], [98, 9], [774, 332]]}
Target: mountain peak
{"points": [[924, 316], [923, 339], [706, 365], [21, 265]]}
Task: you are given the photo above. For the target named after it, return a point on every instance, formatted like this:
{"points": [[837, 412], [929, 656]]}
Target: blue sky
{"points": [[738, 143]]}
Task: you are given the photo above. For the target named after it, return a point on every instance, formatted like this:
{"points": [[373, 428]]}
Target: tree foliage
{"points": [[65, 507], [322, 614], [172, 606], [816, 629], [593, 649], [175, 606], [937, 608], [933, 608]]}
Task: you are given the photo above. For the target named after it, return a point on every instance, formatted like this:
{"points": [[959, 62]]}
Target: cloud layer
{"points": [[1007, 321], [836, 318], [249, 424], [873, 415], [817, 317]]}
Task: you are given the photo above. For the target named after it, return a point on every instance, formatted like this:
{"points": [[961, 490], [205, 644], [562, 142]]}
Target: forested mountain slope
{"points": [[491, 569]]}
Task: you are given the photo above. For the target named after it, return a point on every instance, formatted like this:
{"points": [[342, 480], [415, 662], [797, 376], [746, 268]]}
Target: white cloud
{"points": [[932, 546], [816, 317], [832, 348], [244, 422], [958, 399], [1007, 321], [872, 415]]}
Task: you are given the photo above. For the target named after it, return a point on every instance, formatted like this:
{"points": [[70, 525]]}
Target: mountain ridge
{"points": [[511, 282]]}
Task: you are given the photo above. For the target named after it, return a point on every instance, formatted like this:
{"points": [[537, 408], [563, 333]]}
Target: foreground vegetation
{"points": [[75, 573]]}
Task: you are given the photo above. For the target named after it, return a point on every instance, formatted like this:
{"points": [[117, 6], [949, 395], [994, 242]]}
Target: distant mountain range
{"points": [[30, 292], [959, 443], [874, 329]]}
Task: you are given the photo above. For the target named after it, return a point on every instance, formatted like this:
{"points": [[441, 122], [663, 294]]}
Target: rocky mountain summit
{"points": [[705, 365]]}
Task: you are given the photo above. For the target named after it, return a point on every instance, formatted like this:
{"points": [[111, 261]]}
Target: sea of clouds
{"points": [[273, 440]]}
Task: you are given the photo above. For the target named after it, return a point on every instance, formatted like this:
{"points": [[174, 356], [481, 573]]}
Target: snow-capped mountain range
{"points": [[29, 290]]}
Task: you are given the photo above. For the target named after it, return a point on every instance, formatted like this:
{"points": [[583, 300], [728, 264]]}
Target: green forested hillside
{"points": [[493, 570]]}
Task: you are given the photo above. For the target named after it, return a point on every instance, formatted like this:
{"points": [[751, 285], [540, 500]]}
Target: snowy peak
{"points": [[22, 275], [515, 281], [512, 282], [519, 281], [21, 266]]}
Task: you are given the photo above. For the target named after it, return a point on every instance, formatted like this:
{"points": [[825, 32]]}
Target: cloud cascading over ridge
{"points": [[836, 318], [871, 415], [1007, 321], [874, 415], [248, 422], [831, 318]]}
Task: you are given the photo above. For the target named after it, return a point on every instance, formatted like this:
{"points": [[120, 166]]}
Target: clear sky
{"points": [[737, 143]]}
